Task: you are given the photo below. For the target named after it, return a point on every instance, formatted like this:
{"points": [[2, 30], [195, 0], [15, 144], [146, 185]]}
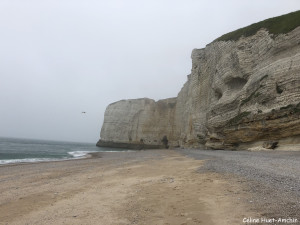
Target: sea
{"points": [[16, 150]]}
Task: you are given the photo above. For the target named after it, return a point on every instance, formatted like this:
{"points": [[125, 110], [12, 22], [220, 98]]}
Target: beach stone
{"points": [[270, 144]]}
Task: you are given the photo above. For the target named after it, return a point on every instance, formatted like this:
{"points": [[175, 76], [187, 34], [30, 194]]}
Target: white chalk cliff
{"points": [[239, 94]]}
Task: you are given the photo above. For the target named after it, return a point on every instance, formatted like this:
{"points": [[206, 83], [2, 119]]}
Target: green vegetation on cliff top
{"points": [[277, 25]]}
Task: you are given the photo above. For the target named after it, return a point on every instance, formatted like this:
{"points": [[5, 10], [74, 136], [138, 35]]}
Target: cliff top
{"points": [[277, 25], [167, 100]]}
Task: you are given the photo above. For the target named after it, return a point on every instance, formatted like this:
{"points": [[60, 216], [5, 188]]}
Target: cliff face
{"points": [[238, 93], [138, 124], [246, 90]]}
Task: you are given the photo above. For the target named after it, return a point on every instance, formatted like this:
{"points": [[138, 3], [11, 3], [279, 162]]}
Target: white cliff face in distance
{"points": [[239, 94], [138, 123]]}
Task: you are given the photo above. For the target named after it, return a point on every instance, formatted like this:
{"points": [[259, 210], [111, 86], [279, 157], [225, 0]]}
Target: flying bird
{"points": [[83, 112]]}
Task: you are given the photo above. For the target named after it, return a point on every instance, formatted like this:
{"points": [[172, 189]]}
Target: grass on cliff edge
{"points": [[277, 25]]}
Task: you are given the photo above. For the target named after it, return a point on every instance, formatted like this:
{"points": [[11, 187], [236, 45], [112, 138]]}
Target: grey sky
{"points": [[61, 57]]}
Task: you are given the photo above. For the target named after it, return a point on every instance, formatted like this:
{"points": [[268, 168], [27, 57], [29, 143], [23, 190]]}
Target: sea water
{"points": [[15, 150]]}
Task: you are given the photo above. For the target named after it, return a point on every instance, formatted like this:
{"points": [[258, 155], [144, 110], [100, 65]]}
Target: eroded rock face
{"points": [[238, 92], [138, 124], [257, 89]]}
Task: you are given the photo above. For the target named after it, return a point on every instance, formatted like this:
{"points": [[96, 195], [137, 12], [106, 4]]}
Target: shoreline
{"points": [[291, 148], [86, 156], [44, 161]]}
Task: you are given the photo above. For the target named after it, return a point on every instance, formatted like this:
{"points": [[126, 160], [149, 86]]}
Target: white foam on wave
{"points": [[80, 154], [75, 155], [117, 151], [30, 160], [83, 154]]}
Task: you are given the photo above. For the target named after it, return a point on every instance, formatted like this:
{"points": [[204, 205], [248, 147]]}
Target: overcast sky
{"points": [[59, 58]]}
